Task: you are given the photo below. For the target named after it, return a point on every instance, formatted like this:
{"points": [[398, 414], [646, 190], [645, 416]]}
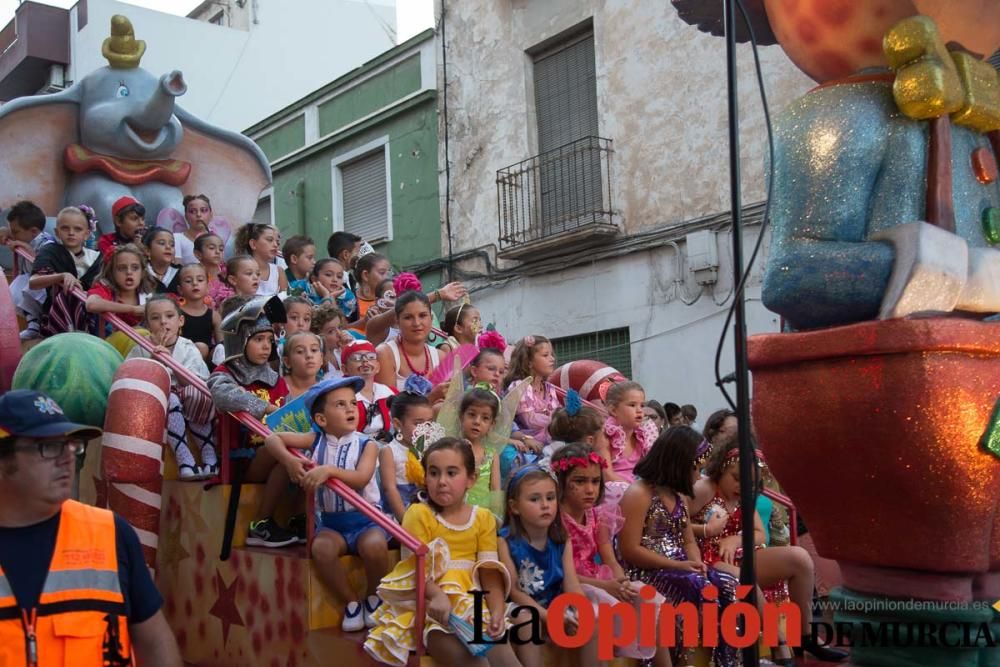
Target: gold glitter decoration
{"points": [[981, 86], [927, 82]]}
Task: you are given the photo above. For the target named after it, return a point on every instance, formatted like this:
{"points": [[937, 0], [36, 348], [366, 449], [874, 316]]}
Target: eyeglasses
{"points": [[360, 357], [54, 449]]}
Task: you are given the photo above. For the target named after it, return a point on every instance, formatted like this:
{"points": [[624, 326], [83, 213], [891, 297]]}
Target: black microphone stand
{"points": [[748, 574]]}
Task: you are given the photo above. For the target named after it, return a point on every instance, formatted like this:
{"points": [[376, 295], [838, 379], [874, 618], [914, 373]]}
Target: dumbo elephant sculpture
{"points": [[118, 131]]}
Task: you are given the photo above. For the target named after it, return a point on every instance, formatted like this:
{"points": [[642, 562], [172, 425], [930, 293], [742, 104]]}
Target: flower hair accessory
{"points": [[418, 384], [593, 458], [491, 339], [91, 216], [529, 341], [487, 387], [573, 403], [406, 282]]}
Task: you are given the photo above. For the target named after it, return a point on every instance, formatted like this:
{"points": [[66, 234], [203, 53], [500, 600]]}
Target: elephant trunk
{"points": [[160, 107]]}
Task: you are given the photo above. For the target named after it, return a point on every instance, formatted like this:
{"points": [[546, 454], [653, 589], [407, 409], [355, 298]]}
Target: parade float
{"points": [[879, 406]]}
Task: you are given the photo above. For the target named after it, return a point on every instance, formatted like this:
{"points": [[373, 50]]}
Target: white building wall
{"points": [[661, 91], [236, 77]]}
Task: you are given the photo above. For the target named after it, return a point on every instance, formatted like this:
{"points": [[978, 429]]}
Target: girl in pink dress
{"points": [[629, 435], [591, 526], [533, 358]]}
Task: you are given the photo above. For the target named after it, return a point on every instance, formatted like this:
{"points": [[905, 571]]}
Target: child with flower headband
{"points": [[591, 525], [533, 358]]}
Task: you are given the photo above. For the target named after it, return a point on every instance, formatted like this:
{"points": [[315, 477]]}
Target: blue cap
{"points": [[326, 386], [31, 414]]}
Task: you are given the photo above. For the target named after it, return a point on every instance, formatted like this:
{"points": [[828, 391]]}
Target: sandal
{"points": [[189, 473]]}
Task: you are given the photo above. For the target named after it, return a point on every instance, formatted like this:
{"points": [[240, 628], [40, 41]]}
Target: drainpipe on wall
{"points": [[447, 161]]}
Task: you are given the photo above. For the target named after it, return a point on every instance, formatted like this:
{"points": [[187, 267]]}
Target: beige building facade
{"points": [[585, 179]]}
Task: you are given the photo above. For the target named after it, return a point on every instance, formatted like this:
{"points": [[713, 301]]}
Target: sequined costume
{"points": [[480, 493], [456, 556], [710, 546], [663, 533]]}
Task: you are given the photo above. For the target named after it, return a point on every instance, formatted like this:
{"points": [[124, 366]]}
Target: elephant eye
{"points": [[122, 90]]}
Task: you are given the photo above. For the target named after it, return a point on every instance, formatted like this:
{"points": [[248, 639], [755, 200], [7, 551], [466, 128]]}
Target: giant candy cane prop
{"points": [[132, 448]]}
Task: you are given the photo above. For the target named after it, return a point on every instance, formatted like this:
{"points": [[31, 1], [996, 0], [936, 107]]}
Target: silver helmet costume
{"points": [[257, 315]]}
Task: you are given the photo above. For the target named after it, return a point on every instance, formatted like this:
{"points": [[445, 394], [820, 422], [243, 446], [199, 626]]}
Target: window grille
{"points": [[611, 346]]}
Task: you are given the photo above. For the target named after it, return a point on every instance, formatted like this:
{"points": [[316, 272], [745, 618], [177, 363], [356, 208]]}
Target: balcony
{"points": [[557, 199], [36, 39]]}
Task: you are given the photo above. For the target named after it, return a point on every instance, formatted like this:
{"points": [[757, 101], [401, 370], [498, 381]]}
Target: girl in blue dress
{"points": [[534, 548]]}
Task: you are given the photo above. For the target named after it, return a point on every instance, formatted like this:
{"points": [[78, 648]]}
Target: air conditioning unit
{"points": [[703, 256]]}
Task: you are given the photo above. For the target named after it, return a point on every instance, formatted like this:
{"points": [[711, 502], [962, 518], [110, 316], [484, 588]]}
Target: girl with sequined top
{"points": [[716, 516], [657, 542]]}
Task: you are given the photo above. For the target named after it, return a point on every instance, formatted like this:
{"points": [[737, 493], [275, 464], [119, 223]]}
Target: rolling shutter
{"points": [[366, 210]]}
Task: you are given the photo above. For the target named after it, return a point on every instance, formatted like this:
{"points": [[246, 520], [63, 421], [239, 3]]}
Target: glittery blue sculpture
{"points": [[849, 168]]}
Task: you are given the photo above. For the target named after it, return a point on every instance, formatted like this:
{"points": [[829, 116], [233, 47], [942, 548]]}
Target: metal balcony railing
{"points": [[561, 190]]}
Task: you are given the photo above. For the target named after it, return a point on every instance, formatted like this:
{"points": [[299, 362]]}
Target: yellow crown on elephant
{"points": [[122, 50]]}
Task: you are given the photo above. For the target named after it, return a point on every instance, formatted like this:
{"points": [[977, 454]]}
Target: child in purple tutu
{"points": [[657, 542]]}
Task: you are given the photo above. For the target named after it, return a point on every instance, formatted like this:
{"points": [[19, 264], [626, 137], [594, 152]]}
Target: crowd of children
{"points": [[517, 490]]}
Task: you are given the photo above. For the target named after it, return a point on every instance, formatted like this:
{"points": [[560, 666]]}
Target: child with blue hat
{"points": [[339, 452]]}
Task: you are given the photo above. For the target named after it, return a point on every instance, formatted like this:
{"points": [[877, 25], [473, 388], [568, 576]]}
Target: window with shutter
{"points": [[364, 197], [565, 83], [262, 213]]}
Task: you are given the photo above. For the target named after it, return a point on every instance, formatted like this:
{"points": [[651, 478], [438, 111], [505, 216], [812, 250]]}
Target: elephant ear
{"points": [[708, 17], [34, 132], [227, 166]]}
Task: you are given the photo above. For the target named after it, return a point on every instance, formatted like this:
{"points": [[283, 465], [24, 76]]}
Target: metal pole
{"points": [[748, 573]]}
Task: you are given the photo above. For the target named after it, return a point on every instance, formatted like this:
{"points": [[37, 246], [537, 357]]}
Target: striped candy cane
{"points": [[132, 448]]}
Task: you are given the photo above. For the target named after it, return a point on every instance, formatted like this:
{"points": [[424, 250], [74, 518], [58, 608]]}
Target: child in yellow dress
{"points": [[462, 557]]}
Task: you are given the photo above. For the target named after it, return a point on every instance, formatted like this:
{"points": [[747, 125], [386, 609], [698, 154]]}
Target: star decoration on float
{"points": [[225, 606]]}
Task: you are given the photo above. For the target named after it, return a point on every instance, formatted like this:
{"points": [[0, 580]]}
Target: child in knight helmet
{"points": [[246, 381], [463, 539], [340, 452], [189, 409], [533, 357], [591, 527], [534, 548]]}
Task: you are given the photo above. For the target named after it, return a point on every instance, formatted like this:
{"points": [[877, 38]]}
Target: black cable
{"points": [[765, 220]]}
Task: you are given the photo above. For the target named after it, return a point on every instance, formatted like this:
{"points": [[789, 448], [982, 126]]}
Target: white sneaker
{"points": [[354, 620], [372, 603]]}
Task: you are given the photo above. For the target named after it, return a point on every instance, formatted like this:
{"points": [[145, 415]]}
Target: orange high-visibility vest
{"points": [[80, 616]]}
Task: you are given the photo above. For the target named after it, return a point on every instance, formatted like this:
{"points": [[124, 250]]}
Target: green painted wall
{"points": [[282, 141], [303, 198], [373, 94]]}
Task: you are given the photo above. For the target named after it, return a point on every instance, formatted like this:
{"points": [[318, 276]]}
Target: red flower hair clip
{"points": [[593, 458]]}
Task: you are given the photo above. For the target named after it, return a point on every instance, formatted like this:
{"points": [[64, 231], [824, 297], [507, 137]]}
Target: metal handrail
{"points": [[252, 424]]}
